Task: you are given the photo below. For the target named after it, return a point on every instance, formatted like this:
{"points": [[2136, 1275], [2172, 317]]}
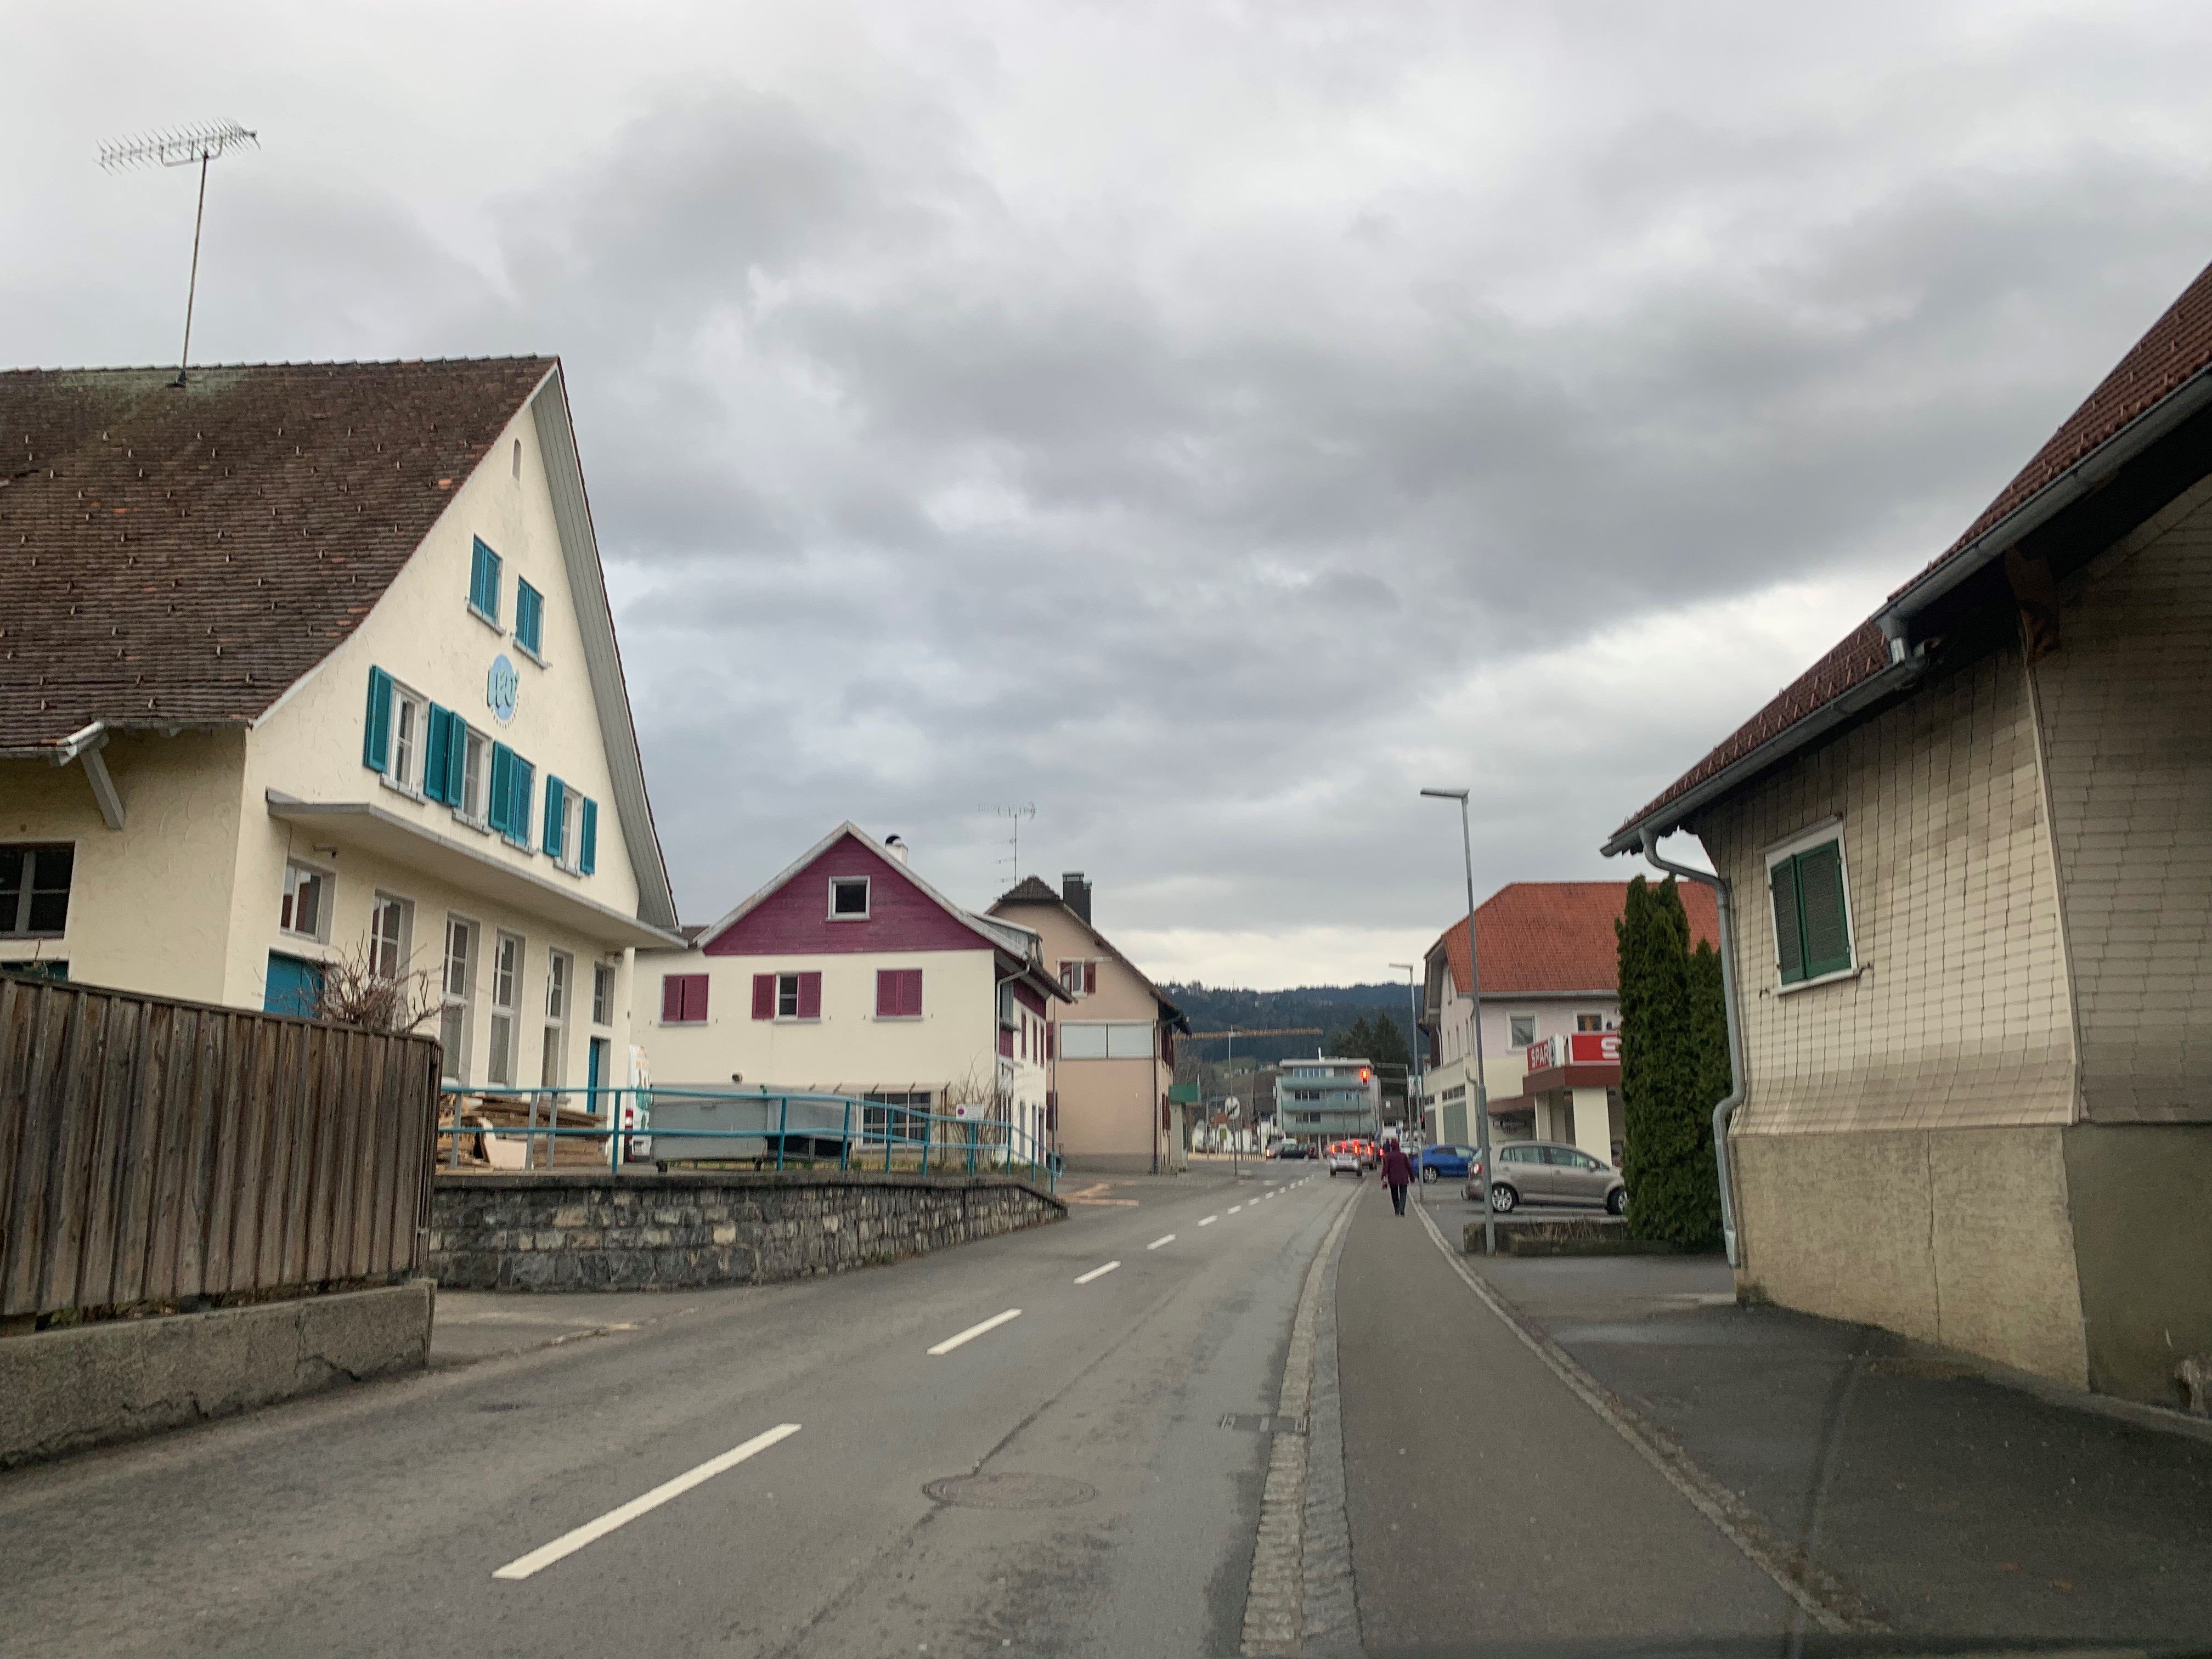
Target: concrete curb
{"points": [[87, 1385]]}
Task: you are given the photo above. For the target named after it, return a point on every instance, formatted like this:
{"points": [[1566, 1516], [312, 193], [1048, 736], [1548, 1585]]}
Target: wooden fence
{"points": [[160, 1153]]}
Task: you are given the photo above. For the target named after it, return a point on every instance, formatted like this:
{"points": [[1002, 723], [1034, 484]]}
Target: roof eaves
{"points": [[1666, 818]]}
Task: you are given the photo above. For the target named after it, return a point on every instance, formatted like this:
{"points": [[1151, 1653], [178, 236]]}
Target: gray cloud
{"points": [[1212, 425]]}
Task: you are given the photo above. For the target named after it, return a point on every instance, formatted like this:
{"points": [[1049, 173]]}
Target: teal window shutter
{"points": [[1821, 905], [499, 806], [1788, 935], [556, 809], [438, 744], [483, 580], [587, 831], [529, 617], [376, 729], [457, 759], [518, 813]]}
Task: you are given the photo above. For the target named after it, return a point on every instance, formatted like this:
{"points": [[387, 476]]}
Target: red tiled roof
{"points": [[2173, 351], [185, 554], [1547, 937]]}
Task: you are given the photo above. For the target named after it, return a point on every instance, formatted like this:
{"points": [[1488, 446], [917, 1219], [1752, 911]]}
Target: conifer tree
{"points": [[1673, 1068]]}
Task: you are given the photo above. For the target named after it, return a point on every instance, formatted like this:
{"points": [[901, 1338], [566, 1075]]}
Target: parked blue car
{"points": [[1446, 1162]]}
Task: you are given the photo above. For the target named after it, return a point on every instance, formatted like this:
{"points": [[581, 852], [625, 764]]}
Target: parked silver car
{"points": [[1547, 1172]]}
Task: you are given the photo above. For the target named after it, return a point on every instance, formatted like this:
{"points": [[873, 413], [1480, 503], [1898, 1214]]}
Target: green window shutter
{"points": [[376, 728], [556, 809], [529, 617], [457, 759], [1788, 935], [1825, 916], [484, 580], [518, 812], [437, 744], [498, 804], [587, 831]]}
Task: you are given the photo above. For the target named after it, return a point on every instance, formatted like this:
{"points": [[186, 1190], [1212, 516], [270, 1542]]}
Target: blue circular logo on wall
{"points": [[500, 686]]}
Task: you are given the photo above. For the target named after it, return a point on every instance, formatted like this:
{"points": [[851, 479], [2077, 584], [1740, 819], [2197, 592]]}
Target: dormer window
{"points": [[848, 898]]}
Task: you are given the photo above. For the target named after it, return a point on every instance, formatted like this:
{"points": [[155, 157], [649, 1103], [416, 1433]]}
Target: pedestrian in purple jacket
{"points": [[1397, 1175]]}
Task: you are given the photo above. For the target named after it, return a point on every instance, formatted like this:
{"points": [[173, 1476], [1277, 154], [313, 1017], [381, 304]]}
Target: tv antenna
{"points": [[1027, 810], [180, 149]]}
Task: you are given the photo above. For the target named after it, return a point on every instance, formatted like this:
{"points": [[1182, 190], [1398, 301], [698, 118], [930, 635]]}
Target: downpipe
{"points": [[1739, 1080]]}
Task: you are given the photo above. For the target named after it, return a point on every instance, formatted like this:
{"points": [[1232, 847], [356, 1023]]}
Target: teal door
{"points": [[596, 1074], [294, 986]]}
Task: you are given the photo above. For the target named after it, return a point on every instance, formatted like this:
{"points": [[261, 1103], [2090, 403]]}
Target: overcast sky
{"points": [[1206, 422]]}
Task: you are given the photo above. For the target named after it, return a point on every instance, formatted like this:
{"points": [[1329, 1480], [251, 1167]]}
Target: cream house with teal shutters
{"points": [[309, 662]]}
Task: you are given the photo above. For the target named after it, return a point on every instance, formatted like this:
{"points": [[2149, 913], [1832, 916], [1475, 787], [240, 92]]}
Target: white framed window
{"points": [[1521, 1030], [34, 891], [506, 1004], [305, 910], [410, 721], [848, 898], [553, 1056], [391, 920], [475, 783], [1105, 1039], [787, 996], [571, 832], [1809, 901], [457, 987], [1079, 976], [602, 993]]}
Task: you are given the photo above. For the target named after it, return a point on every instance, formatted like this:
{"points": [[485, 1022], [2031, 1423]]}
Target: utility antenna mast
{"points": [[180, 149], [1027, 810]]}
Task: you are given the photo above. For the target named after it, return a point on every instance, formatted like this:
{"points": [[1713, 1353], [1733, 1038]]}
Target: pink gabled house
{"points": [[849, 974]]}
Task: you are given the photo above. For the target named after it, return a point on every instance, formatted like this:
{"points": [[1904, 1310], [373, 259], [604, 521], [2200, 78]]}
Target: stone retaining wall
{"points": [[589, 1230]]}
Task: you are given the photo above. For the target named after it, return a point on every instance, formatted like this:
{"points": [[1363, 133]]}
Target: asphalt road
{"points": [[376, 1519]]}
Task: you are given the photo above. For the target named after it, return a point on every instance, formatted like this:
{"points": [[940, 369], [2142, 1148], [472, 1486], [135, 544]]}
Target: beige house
{"points": [[306, 662], [1113, 1041], [1969, 860]]}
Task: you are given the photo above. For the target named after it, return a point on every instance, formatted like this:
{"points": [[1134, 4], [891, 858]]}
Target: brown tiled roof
{"points": [[1549, 938], [2175, 349], [182, 555], [1029, 889]]}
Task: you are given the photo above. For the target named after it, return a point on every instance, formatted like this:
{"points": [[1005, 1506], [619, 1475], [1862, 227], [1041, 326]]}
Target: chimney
{"points": [[1075, 894], [896, 845]]}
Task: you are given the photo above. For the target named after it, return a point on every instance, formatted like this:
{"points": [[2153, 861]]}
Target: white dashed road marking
{"points": [[1098, 1273], [569, 1542], [1168, 1238], [975, 1331], [1209, 1221]]}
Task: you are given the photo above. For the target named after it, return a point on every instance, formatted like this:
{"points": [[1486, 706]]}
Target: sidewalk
{"points": [[1952, 1502], [1486, 1503]]}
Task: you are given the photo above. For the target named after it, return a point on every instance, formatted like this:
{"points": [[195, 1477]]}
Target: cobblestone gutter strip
{"points": [[1275, 1597], [1332, 1613], [1828, 1603]]}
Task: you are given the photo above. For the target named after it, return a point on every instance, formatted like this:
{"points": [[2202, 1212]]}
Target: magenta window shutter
{"points": [[763, 996], [694, 998], [672, 999], [810, 996], [887, 994], [912, 1003], [1090, 978]]}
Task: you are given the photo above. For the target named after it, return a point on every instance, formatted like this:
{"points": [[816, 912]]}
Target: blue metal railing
{"points": [[684, 1125]]}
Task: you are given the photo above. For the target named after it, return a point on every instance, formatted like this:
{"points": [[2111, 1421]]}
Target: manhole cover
{"points": [[1010, 1491]]}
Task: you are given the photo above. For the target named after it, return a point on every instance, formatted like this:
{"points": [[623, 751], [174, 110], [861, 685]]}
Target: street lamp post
{"points": [[1474, 990]]}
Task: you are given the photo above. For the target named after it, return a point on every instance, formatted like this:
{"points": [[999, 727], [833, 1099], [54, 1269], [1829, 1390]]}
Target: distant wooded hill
{"points": [[1332, 1007]]}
